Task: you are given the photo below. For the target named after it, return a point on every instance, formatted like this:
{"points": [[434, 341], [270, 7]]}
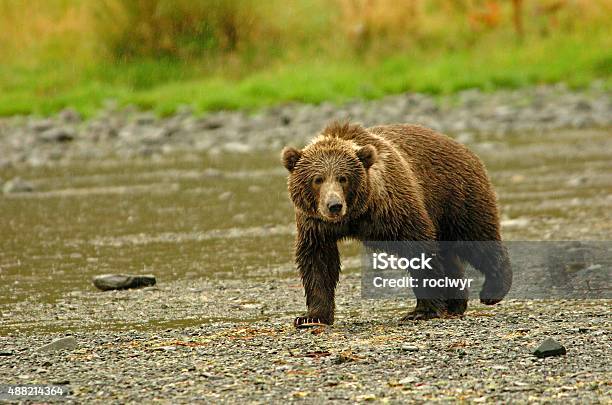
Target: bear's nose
{"points": [[335, 208]]}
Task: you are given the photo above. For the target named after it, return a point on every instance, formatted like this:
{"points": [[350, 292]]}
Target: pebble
{"points": [[17, 185], [107, 282], [69, 115], [466, 116], [409, 380], [549, 348], [58, 134]]}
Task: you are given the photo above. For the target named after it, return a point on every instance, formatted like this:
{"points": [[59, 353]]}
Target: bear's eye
{"points": [[318, 180], [342, 179]]}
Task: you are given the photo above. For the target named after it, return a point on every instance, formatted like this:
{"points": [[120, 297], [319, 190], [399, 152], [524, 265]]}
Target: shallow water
{"points": [[228, 216]]}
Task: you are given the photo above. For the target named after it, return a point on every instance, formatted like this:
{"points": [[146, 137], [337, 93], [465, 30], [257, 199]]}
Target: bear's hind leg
{"points": [[431, 301], [491, 259], [457, 299]]}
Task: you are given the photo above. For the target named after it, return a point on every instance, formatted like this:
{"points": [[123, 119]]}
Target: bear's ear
{"points": [[367, 155], [290, 157]]}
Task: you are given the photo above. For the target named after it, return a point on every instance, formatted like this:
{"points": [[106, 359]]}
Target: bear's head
{"points": [[328, 179]]}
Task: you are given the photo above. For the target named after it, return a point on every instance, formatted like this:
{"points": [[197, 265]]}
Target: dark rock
{"points": [[107, 282], [145, 119], [211, 123], [6, 354], [583, 105], [57, 135], [285, 119], [17, 185], [70, 115], [67, 343], [548, 348]]}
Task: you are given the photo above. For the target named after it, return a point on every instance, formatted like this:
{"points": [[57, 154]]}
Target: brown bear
{"points": [[391, 183]]}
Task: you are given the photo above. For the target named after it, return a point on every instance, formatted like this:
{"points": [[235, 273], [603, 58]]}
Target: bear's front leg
{"points": [[318, 262]]}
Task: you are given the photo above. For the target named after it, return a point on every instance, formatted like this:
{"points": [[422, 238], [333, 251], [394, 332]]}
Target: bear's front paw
{"points": [[420, 315], [302, 322]]}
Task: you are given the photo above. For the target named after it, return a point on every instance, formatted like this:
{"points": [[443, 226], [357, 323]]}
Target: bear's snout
{"points": [[332, 206]]}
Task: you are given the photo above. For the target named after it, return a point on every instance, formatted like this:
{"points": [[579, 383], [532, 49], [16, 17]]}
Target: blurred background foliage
{"points": [[245, 53]]}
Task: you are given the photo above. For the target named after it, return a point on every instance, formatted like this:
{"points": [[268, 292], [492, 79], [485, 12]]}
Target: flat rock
{"points": [[548, 348], [67, 343], [57, 135], [107, 282], [17, 185], [409, 380]]}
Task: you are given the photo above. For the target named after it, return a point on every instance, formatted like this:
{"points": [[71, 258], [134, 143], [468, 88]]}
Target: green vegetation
{"points": [[214, 54]]}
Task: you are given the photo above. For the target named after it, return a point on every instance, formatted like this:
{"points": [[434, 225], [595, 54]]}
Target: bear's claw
{"points": [[419, 315], [303, 322], [490, 301]]}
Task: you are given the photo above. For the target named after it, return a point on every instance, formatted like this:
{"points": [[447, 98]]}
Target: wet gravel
{"points": [[234, 341], [125, 133]]}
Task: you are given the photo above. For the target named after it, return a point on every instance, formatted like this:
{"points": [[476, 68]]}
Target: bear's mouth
{"points": [[333, 216]]}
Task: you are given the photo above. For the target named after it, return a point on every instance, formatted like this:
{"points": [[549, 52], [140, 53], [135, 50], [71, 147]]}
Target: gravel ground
{"points": [[485, 356]]}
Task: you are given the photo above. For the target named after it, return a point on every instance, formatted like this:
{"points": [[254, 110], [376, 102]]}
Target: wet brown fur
{"points": [[404, 182]]}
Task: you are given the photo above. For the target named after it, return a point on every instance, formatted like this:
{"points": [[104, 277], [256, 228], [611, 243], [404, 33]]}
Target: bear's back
{"points": [[451, 176]]}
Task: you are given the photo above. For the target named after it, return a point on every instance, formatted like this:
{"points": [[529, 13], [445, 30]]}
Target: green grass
{"points": [[576, 59]]}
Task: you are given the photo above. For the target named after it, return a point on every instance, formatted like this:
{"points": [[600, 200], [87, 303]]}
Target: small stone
{"points": [[346, 356], [211, 123], [17, 185], [237, 147], [69, 115], [225, 196], [515, 223], [410, 348], [408, 380], [576, 181], [241, 218], [57, 135], [6, 354], [548, 348], [583, 105], [107, 282], [67, 343], [41, 125], [145, 119], [165, 348]]}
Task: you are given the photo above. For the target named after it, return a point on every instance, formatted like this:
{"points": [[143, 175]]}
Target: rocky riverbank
{"points": [[200, 202], [221, 354], [126, 133]]}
